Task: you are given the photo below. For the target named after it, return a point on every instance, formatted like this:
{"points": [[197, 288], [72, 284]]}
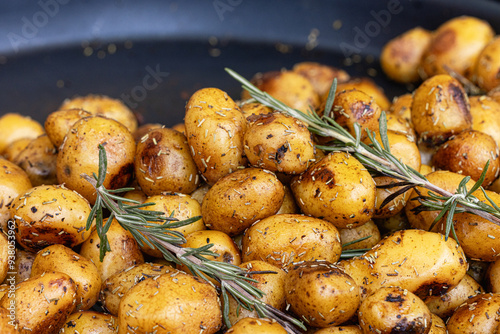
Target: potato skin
{"points": [[36, 309], [48, 215], [394, 310], [284, 239], [13, 126], [222, 244], [5, 257], [421, 262], [125, 251], [214, 130], [457, 44], [486, 116], [39, 160], [90, 322], [348, 329], [321, 293], [400, 58], [164, 163], [23, 263], [440, 109], [252, 325], [5, 322], [81, 270], [477, 315], [351, 234], [320, 76], [115, 286], [278, 143], [60, 122], [80, 154], [179, 304], [445, 305], [367, 86], [487, 69], [338, 189], [241, 198]]}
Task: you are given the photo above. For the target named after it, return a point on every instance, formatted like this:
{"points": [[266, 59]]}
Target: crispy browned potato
{"points": [[394, 310], [278, 143], [321, 76], [321, 293], [476, 315], [487, 70], [254, 108], [399, 124], [39, 160], [163, 163], [440, 109], [467, 154], [14, 127], [60, 122], [90, 322], [101, 105], [144, 129], [457, 44], [241, 198], [400, 58], [486, 116], [367, 86], [338, 188], [284, 239]]}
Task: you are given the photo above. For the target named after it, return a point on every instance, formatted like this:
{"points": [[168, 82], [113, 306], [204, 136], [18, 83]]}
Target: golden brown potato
{"points": [[399, 124], [14, 127], [80, 154], [421, 262], [338, 188], [401, 106], [457, 44], [163, 163], [180, 127], [7, 255], [348, 329], [43, 303], [90, 322], [284, 239], [222, 244], [493, 277], [467, 154], [135, 195], [289, 205], [254, 108], [241, 198], [320, 76], [438, 326], [476, 315], [81, 270], [321, 293], [23, 264], [291, 88], [486, 116], [7, 325], [125, 251], [445, 305], [101, 105], [368, 86], [13, 182], [214, 130], [368, 229], [16, 147], [440, 109], [272, 284], [256, 326], [179, 206], [400, 58], [60, 122], [278, 143], [115, 286], [48, 215], [144, 129], [394, 310], [487, 69], [38, 160], [179, 304]]}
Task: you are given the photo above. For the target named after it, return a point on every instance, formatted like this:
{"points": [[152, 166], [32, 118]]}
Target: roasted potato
{"points": [[60, 122], [256, 326], [14, 127], [486, 116], [320, 76], [368, 86], [39, 160], [487, 69], [476, 315], [23, 263], [368, 229], [90, 322]]}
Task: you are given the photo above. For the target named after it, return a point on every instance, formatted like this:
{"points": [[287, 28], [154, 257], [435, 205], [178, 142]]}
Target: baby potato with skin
{"points": [[240, 199], [321, 76], [60, 122], [440, 109], [14, 126], [467, 154], [278, 143], [367, 86], [401, 106], [79, 155], [348, 329], [284, 239], [16, 147], [39, 161], [394, 310], [254, 108], [90, 322], [182, 207], [23, 264], [400, 58], [369, 229], [477, 315], [338, 189], [487, 70], [486, 116], [321, 293], [48, 215], [164, 163], [251, 325], [36, 309], [178, 304], [214, 130], [222, 244], [81, 270]]}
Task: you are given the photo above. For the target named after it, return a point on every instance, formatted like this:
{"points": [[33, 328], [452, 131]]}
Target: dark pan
{"points": [[155, 54]]}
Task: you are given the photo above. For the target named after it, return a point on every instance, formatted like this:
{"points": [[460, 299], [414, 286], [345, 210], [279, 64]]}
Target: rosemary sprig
{"points": [[233, 280], [378, 159]]}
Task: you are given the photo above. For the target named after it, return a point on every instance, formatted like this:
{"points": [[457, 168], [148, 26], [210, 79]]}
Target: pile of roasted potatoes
{"points": [[270, 200]]}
